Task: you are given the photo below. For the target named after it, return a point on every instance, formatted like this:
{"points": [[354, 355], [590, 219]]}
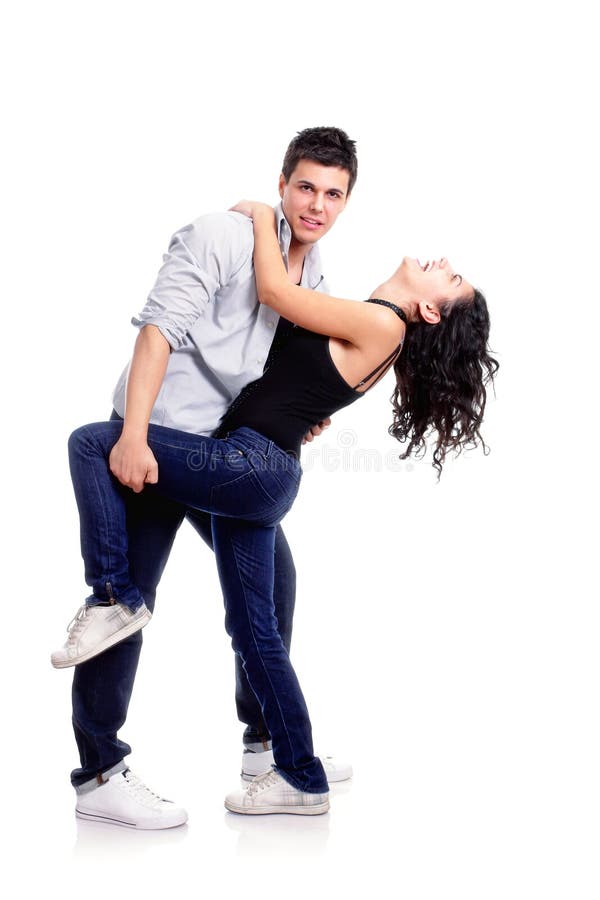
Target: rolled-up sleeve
{"points": [[202, 257]]}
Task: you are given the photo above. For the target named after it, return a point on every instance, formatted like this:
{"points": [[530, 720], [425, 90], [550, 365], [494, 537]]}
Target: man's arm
{"points": [[131, 460], [201, 258]]}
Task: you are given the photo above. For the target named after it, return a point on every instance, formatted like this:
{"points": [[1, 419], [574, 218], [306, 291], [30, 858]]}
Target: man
{"points": [[203, 339]]}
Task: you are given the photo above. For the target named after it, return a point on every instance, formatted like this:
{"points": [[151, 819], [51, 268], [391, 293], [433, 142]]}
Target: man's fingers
{"points": [[320, 427], [316, 430], [121, 478], [152, 474], [136, 482]]}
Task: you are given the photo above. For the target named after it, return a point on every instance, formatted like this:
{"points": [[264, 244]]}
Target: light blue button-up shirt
{"points": [[205, 304]]}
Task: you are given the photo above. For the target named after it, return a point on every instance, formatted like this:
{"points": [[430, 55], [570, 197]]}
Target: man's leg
{"points": [[245, 555], [284, 597], [102, 686]]}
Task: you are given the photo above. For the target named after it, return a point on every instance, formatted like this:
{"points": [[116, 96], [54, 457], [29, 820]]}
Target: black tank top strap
{"points": [[382, 366], [399, 312], [379, 368]]}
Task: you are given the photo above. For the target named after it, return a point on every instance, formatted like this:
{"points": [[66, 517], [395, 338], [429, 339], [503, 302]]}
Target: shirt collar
{"points": [[312, 274]]}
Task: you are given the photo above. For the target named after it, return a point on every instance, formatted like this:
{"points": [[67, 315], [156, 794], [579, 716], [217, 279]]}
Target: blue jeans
{"points": [[247, 484]]}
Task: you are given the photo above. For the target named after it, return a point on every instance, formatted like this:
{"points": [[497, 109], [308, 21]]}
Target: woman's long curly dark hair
{"points": [[441, 376]]}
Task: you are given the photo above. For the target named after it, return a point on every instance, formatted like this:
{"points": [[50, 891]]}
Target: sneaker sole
{"points": [[332, 778], [107, 820], [317, 810], [108, 642]]}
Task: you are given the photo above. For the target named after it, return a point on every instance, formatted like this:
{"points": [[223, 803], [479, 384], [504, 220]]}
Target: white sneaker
{"points": [[254, 764], [95, 629], [125, 800], [270, 793]]}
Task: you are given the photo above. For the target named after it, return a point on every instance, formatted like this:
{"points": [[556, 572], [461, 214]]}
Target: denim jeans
{"points": [[247, 484]]}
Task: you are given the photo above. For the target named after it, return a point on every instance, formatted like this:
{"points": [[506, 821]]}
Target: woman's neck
{"points": [[394, 293]]}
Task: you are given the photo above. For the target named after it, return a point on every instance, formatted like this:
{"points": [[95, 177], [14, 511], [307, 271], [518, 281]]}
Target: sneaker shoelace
{"points": [[261, 782], [77, 623], [140, 791]]}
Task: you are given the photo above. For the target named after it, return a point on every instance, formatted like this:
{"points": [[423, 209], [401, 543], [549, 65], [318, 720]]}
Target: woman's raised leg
{"points": [[246, 476]]}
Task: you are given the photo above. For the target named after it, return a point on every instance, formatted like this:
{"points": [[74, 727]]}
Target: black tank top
{"points": [[300, 388]]}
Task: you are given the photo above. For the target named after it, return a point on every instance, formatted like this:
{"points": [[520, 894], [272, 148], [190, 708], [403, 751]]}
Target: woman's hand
{"points": [[252, 208]]}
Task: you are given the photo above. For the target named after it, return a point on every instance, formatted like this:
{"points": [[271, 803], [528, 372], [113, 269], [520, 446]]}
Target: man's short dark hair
{"points": [[325, 145]]}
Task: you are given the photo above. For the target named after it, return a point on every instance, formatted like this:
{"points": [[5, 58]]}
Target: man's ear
{"points": [[282, 184], [428, 312]]}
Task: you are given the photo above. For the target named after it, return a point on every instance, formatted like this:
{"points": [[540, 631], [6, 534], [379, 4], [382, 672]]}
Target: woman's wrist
{"points": [[262, 213]]}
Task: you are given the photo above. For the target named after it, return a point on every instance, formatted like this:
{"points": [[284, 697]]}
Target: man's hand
{"points": [[316, 430], [132, 463]]}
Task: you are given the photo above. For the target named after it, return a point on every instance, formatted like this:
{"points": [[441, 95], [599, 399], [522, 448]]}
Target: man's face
{"points": [[313, 198]]}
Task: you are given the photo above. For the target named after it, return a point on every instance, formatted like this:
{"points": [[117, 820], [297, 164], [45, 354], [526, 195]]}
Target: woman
{"points": [[248, 475]]}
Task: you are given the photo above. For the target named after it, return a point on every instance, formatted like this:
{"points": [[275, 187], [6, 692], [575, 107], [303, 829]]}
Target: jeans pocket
{"points": [[284, 474], [245, 497]]}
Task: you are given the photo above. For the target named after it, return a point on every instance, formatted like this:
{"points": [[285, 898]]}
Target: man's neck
{"points": [[296, 256]]}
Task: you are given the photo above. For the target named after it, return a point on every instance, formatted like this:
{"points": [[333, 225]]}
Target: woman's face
{"points": [[433, 282]]}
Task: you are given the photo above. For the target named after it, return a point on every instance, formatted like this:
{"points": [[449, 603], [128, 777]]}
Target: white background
{"points": [[446, 635]]}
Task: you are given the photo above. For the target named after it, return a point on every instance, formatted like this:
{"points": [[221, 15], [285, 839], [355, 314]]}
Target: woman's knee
{"points": [[93, 438], [77, 439]]}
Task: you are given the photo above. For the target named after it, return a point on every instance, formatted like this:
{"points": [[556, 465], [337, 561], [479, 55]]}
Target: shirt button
{"points": [[271, 324], [261, 359]]}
